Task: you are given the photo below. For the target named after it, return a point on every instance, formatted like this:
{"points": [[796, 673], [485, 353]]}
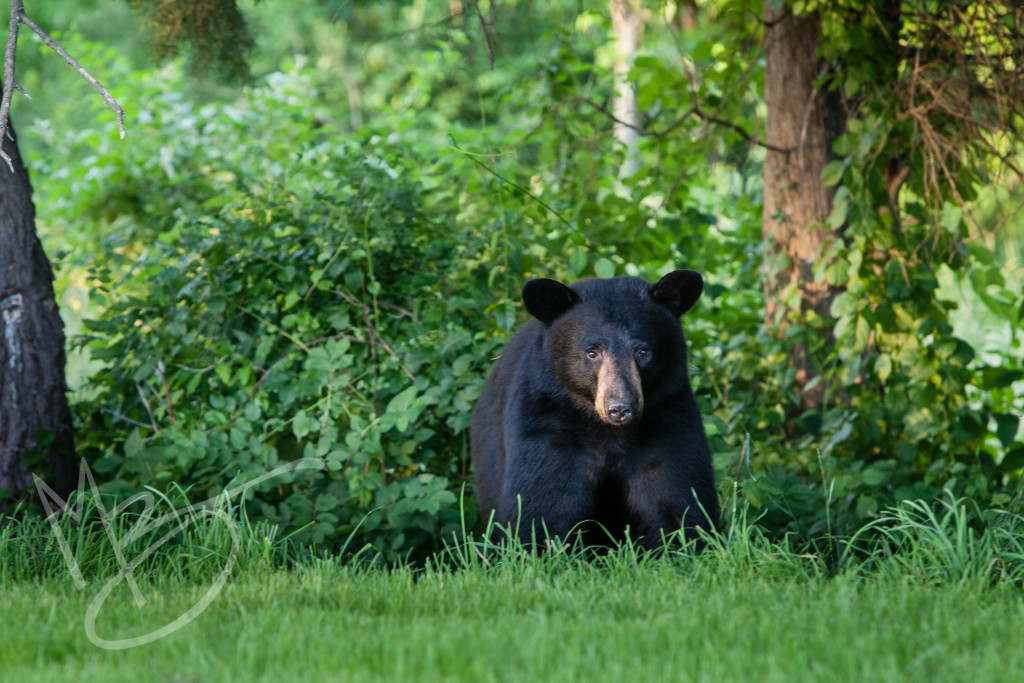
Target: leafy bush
{"points": [[271, 287], [303, 302]]}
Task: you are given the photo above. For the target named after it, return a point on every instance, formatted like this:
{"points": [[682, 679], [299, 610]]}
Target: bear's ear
{"points": [[547, 299], [678, 291]]}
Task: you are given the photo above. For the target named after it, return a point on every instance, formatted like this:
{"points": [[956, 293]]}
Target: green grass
{"points": [[929, 597], [585, 623]]}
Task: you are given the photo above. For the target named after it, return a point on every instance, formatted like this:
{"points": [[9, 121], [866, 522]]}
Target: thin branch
{"points": [[739, 129], [693, 111], [335, 16], [149, 410], [49, 42], [371, 329], [511, 183], [125, 418], [483, 27], [10, 84], [416, 29], [161, 370]]}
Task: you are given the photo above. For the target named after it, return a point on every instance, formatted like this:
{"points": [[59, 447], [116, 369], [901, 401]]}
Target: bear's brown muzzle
{"points": [[620, 398]]}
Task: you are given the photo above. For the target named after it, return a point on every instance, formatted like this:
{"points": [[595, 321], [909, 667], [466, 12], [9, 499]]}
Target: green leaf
{"points": [[462, 363], [303, 424], [867, 506], [402, 401], [837, 273], [851, 86], [290, 299], [223, 371], [843, 146], [874, 476], [1006, 428], [999, 378], [883, 367], [832, 173], [840, 209], [862, 333], [844, 304], [603, 267], [841, 434], [505, 315], [701, 51], [1014, 460], [952, 217], [577, 262], [133, 445], [216, 305]]}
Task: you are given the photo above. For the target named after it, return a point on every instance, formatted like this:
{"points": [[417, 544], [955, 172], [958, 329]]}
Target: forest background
{"points": [[313, 244]]}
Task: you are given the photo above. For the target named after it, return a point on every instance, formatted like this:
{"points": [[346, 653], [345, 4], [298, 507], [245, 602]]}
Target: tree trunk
{"points": [[803, 121], [628, 24], [35, 424], [682, 15]]}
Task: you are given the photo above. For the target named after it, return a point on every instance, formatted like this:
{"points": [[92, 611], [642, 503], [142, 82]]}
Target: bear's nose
{"points": [[620, 414]]}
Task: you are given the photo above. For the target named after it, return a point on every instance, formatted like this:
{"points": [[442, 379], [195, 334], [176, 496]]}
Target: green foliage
{"points": [[297, 302], [912, 408], [213, 35], [326, 264]]}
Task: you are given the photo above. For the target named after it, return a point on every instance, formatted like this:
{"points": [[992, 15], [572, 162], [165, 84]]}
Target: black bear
{"points": [[587, 421]]}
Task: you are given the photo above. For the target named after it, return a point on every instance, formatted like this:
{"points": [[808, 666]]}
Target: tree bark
{"points": [[35, 423], [805, 121], [627, 24]]}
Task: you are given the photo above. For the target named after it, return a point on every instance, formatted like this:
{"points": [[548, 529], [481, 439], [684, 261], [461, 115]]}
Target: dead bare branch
{"points": [[17, 18], [50, 43], [149, 410]]}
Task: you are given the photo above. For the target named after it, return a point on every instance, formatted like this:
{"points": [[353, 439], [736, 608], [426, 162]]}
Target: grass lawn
{"points": [[932, 597], [530, 620]]}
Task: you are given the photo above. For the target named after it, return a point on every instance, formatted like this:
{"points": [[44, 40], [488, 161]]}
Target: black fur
{"points": [[538, 441]]}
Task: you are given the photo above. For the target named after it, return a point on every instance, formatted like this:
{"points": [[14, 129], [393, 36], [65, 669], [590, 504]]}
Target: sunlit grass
{"points": [[523, 621], [921, 595]]}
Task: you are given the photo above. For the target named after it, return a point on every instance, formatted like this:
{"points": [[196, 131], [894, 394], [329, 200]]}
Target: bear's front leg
{"points": [[548, 492], [665, 498]]}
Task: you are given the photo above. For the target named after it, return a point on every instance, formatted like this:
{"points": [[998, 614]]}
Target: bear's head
{"points": [[616, 344]]}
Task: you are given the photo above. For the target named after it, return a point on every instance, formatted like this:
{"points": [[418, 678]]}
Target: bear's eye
{"points": [[642, 352], [593, 353]]}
